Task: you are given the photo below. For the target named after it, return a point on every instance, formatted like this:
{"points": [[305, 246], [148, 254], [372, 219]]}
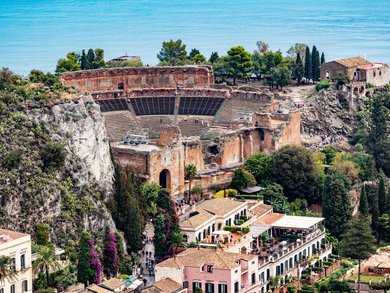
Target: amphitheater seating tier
{"points": [[199, 105], [113, 105], [153, 105]]}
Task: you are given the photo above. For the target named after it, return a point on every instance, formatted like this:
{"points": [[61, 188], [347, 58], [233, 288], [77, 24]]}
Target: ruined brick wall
{"points": [[131, 161], [194, 155], [378, 76], [139, 77], [290, 132], [232, 151], [171, 159], [169, 135]]}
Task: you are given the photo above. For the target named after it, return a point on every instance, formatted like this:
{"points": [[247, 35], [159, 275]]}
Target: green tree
{"points": [[378, 141], [85, 273], [149, 191], [383, 227], [213, 57], [239, 63], [83, 61], [363, 202], [193, 53], [273, 195], [260, 165], [190, 173], [159, 235], [366, 165], [336, 203], [53, 155], [297, 49], [172, 53], [242, 179], [374, 211], [90, 59], [262, 47], [42, 234], [199, 59], [293, 168], [322, 58], [6, 271], [308, 65], [299, 69], [71, 63], [164, 202], [133, 228], [382, 196], [280, 76], [269, 61], [315, 59], [99, 58], [177, 240], [46, 261], [358, 242]]}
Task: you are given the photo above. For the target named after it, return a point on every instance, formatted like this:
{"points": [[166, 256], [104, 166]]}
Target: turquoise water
{"points": [[35, 33]]}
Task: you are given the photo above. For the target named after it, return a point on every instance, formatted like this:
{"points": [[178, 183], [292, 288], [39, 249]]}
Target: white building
{"points": [[18, 247]]}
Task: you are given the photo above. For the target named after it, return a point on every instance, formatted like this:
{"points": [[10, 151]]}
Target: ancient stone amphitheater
{"points": [[160, 119]]}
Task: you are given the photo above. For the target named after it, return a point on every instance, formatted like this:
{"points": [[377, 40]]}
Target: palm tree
{"points": [[6, 271], [177, 239], [46, 261], [190, 173]]}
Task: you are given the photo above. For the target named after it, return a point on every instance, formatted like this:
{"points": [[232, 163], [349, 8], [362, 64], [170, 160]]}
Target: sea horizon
{"points": [[35, 34]]}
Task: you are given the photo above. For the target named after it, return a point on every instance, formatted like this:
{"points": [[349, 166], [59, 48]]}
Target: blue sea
{"points": [[35, 33]]}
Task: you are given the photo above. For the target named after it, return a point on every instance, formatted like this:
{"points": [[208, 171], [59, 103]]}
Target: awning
{"points": [[251, 190], [296, 222], [221, 232], [259, 229]]}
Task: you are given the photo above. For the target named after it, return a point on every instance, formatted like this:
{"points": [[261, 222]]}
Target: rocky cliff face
{"points": [[69, 198], [325, 119]]}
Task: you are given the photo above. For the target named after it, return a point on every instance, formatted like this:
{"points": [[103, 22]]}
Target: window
{"points": [[196, 285], [261, 277], [277, 270], [268, 275], [291, 263], [209, 269], [253, 279], [199, 236], [236, 287], [12, 288], [24, 286], [1, 290], [13, 264], [222, 288], [121, 86], [209, 287], [374, 73], [22, 261], [380, 73], [185, 284]]}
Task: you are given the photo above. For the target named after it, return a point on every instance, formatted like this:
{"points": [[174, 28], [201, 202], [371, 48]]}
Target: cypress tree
{"points": [[83, 60], [308, 66], [374, 211], [363, 203], [85, 273], [358, 242], [382, 196], [299, 69], [336, 204], [322, 58], [315, 59], [110, 255], [132, 227], [90, 59]]}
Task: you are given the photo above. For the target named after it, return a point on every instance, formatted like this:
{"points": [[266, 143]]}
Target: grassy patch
{"points": [[366, 279]]}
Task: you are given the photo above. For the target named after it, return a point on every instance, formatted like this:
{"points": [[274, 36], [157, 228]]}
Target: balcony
{"points": [[247, 287]]}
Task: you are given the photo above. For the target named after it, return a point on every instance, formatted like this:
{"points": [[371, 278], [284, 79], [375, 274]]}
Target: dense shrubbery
{"points": [[325, 84]]}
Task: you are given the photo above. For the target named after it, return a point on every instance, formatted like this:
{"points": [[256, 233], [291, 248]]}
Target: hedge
{"points": [[236, 229]]}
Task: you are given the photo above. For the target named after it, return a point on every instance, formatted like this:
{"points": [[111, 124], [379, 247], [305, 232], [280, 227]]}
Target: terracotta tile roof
{"points": [[261, 209], [220, 206], [194, 257], [167, 285], [353, 62], [194, 221], [372, 66], [97, 289], [209, 208], [269, 219], [113, 283], [8, 235]]}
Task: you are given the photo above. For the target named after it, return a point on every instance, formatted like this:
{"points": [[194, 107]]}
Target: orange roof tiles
{"points": [[261, 209], [167, 285], [269, 219], [9, 235], [353, 62]]}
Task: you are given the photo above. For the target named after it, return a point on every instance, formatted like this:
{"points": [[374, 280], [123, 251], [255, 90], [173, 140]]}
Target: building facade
{"points": [[17, 246]]}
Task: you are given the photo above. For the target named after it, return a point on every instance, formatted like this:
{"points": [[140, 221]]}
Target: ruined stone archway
{"points": [[165, 179]]}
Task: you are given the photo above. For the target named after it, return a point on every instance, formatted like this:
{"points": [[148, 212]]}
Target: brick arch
{"points": [[165, 179]]}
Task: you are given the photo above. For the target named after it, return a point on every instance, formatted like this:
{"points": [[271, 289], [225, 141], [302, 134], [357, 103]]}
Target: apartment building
{"points": [[211, 270], [272, 244], [17, 246]]}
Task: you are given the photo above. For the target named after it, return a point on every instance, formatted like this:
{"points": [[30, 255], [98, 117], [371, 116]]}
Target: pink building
{"points": [[214, 271]]}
